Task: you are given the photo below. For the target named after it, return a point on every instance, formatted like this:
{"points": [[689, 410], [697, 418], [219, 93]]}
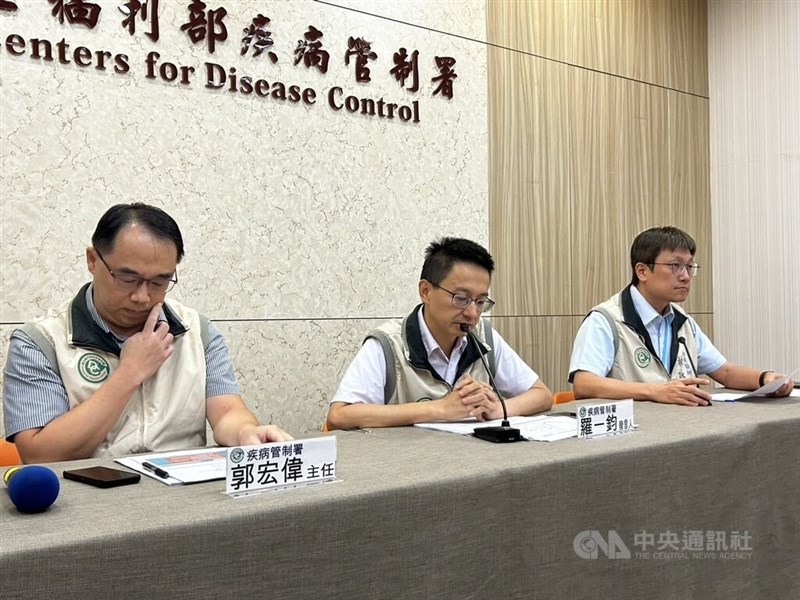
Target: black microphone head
{"points": [[465, 328], [682, 340]]}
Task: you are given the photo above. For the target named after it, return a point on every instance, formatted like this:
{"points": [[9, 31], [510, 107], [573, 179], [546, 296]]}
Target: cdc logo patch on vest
{"points": [[642, 357], [93, 367]]}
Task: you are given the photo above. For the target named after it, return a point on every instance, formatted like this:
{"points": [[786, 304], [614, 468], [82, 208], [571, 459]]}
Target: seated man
{"points": [[640, 345], [425, 368], [118, 369]]}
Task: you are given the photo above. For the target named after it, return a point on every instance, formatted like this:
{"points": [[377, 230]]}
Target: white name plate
{"points": [[280, 465], [595, 420]]}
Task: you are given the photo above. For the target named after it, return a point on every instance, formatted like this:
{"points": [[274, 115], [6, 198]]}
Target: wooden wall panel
{"points": [[690, 188], [529, 217], [582, 159], [628, 125], [541, 341], [706, 323], [661, 42]]}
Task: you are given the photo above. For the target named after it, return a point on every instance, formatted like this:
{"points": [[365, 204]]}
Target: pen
{"points": [[158, 471]]}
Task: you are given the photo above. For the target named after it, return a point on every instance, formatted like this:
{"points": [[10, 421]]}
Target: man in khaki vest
{"points": [[424, 367], [640, 345], [119, 369]]}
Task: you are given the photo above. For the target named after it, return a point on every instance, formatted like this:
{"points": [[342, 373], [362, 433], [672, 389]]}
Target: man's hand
{"points": [[480, 398], [253, 435], [784, 390], [682, 391], [466, 400], [143, 353]]}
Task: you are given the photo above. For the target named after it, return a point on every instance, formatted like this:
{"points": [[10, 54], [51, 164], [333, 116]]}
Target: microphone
{"points": [[503, 433], [682, 340], [32, 489]]}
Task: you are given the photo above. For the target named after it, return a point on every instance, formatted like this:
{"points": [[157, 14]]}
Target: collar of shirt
{"points": [[432, 347], [658, 326], [102, 324], [647, 313]]}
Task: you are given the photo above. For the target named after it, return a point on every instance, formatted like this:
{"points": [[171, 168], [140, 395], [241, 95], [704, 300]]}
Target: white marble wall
{"points": [[304, 226]]}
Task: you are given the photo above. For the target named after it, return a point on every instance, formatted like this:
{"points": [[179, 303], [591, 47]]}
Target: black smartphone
{"points": [[102, 477]]}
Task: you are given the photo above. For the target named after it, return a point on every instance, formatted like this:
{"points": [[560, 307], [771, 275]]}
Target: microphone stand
{"points": [[499, 434], [682, 340]]}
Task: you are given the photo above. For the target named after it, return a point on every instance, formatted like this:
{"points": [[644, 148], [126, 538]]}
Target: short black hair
{"points": [[650, 243], [158, 223], [441, 254]]}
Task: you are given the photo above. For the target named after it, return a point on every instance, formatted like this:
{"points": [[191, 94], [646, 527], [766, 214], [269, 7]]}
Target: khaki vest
{"points": [[635, 359], [415, 379], [167, 412]]}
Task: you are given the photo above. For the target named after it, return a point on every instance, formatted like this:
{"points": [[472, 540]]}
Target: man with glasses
{"points": [[425, 368], [118, 369], [640, 345]]}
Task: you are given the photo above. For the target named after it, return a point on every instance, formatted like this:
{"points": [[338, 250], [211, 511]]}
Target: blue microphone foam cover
{"points": [[33, 489]]}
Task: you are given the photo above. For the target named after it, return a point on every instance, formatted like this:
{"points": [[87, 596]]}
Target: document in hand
{"points": [[761, 392], [183, 466], [539, 428]]}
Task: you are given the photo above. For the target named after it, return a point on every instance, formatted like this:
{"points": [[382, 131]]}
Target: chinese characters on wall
{"points": [[211, 26]]}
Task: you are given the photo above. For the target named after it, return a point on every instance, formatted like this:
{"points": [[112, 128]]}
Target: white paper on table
{"points": [[183, 466], [727, 396], [550, 429], [466, 426], [540, 428]]}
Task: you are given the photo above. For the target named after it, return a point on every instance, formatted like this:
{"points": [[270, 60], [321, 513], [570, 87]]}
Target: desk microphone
{"points": [[682, 340], [32, 489], [503, 433]]}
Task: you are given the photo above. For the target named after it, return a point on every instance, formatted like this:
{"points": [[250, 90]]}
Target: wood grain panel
{"points": [[706, 323], [690, 189], [529, 220], [581, 161], [622, 183], [545, 343], [686, 45], [662, 42]]}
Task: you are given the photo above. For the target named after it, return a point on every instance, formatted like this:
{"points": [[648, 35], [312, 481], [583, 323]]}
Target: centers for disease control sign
{"points": [[271, 49], [253, 469]]}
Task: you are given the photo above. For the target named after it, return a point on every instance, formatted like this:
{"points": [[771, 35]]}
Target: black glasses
{"points": [[129, 283], [677, 268], [463, 301]]}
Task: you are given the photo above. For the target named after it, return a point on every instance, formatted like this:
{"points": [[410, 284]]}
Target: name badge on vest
{"points": [[595, 420], [683, 366], [280, 465]]}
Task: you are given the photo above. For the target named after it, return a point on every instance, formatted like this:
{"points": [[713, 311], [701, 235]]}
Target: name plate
{"points": [[280, 465], [595, 420]]}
